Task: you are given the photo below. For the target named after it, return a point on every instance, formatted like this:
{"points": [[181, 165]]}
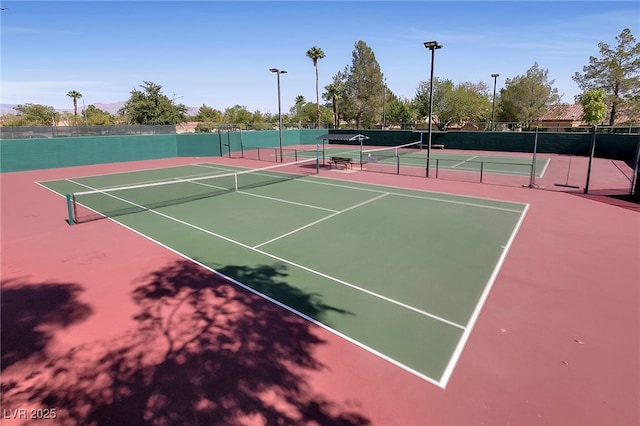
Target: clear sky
{"points": [[219, 53]]}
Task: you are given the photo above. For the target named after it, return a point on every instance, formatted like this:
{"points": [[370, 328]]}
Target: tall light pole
{"points": [[278, 72], [384, 104], [432, 46], [493, 109]]}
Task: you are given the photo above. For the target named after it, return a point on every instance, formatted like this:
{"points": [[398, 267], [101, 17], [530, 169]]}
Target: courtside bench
{"points": [[346, 161], [437, 146]]}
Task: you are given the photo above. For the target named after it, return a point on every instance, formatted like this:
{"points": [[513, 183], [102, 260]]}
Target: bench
{"points": [[341, 160], [438, 145]]}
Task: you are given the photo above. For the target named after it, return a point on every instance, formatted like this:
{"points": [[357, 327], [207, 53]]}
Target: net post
{"points": [[317, 158], [235, 181], [397, 164], [437, 167], [481, 170], [70, 210]]}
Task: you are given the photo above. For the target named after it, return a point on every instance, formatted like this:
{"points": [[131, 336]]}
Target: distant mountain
{"points": [[6, 108], [111, 108]]}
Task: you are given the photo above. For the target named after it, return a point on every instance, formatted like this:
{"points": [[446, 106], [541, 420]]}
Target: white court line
{"points": [[453, 361], [132, 171], [464, 161], [321, 220], [544, 169], [146, 182], [280, 200], [422, 197]]}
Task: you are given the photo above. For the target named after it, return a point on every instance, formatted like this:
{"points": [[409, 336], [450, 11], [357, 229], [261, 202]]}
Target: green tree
{"points": [[594, 106], [307, 113], [453, 103], [260, 121], [34, 115], [525, 98], [334, 93], [97, 117], [237, 114], [75, 96], [362, 94], [150, 106], [208, 114], [296, 109], [398, 111], [469, 103], [617, 72], [205, 127], [316, 53]]}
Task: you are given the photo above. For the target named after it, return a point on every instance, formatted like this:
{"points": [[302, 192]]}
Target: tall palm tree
{"points": [[333, 93], [316, 53], [75, 95]]}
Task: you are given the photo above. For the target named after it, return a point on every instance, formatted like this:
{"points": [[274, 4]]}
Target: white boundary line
{"points": [[314, 181], [463, 161], [544, 169], [453, 361], [134, 171], [424, 191]]}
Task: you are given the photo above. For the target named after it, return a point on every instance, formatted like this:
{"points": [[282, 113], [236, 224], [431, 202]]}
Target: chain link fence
{"points": [[41, 132]]}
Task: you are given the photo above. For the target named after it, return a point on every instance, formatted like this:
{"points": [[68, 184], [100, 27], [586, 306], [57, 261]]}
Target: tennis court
{"points": [[411, 160], [415, 157], [403, 273]]}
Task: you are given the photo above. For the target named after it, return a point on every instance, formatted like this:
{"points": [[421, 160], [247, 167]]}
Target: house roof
{"points": [[568, 112]]}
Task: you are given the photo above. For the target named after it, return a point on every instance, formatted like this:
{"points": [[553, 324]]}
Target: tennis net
{"points": [[375, 155], [122, 200]]}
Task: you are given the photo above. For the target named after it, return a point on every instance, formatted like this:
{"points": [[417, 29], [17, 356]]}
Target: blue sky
{"points": [[219, 53]]}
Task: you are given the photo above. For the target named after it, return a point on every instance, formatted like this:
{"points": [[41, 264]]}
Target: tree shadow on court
{"points": [[205, 351], [31, 313]]}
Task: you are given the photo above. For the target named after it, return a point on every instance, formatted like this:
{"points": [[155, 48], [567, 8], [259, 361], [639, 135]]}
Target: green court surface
{"points": [[415, 157], [401, 273]]}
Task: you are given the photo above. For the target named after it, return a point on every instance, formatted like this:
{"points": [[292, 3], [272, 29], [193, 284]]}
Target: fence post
{"points": [[591, 154]]}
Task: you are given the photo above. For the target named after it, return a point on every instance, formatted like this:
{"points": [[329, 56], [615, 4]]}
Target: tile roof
{"points": [[570, 112]]}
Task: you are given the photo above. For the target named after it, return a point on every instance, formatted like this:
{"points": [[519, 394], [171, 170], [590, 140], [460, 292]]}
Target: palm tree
{"points": [[75, 95], [316, 53], [333, 93], [299, 103], [297, 108]]}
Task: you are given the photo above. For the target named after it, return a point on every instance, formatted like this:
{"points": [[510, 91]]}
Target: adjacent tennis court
{"points": [[401, 273], [415, 157], [411, 156]]}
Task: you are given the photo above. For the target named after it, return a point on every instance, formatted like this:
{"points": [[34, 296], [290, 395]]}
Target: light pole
{"points": [[493, 109], [384, 105], [278, 72], [432, 46]]}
